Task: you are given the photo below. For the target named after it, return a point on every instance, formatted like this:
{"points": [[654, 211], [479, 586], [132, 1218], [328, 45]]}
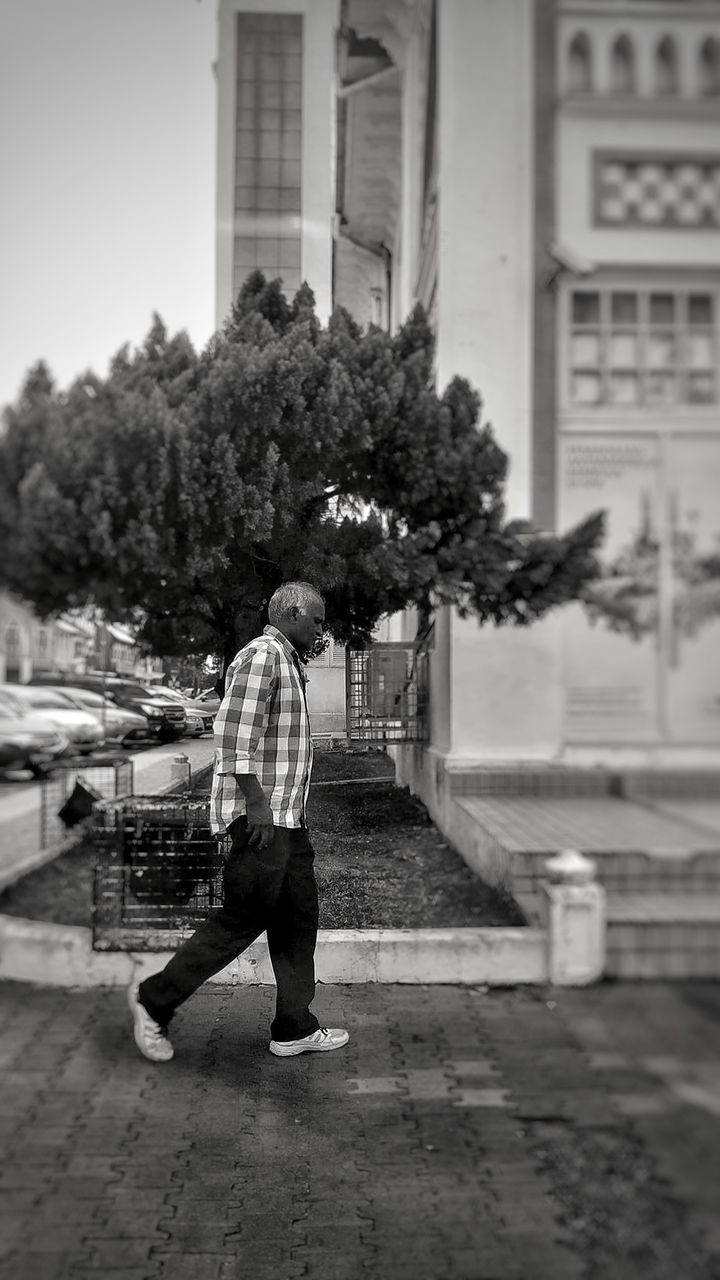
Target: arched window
{"points": [[666, 67], [580, 65], [710, 67], [622, 66], [12, 643]]}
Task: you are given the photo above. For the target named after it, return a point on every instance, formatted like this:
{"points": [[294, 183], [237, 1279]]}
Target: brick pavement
{"points": [[461, 1135]]}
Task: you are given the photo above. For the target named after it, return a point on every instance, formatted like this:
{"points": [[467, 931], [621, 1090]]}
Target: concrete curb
{"points": [[36, 860], [62, 956]]}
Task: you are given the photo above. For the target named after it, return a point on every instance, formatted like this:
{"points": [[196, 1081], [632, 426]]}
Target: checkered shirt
{"points": [[263, 727]]}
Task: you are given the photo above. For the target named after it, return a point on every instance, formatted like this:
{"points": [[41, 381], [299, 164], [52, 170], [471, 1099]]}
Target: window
{"points": [[580, 65], [710, 67], [12, 643], [622, 66], [337, 658], [666, 74], [643, 348], [268, 147]]}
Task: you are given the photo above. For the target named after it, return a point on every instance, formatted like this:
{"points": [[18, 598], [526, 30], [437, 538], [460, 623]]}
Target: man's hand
{"points": [[259, 824], [259, 813]]}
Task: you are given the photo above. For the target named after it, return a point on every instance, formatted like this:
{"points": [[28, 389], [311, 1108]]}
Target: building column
{"points": [[408, 234], [486, 195], [504, 684]]}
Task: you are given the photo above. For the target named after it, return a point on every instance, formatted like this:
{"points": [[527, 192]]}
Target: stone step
{"points": [[658, 935], [558, 780], [636, 846], [631, 871]]}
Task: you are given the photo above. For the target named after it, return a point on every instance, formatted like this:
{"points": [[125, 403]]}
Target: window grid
{"points": [[268, 148], [639, 348]]}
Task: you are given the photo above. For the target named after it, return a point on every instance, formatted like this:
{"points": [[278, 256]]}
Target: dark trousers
{"points": [[270, 889]]}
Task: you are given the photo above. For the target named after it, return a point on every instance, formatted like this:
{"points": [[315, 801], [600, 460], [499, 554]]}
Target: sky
{"points": [[107, 179]]}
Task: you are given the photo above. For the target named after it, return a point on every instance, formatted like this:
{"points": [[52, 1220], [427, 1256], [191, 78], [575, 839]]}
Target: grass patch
{"points": [[381, 863]]}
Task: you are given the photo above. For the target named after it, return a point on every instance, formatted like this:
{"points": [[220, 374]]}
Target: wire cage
{"points": [[108, 777], [387, 693], [158, 871]]}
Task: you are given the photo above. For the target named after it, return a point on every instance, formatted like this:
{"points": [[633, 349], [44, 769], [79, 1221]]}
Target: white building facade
{"points": [[545, 178]]}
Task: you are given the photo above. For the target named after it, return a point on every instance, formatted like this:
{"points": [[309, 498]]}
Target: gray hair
{"points": [[291, 595]]}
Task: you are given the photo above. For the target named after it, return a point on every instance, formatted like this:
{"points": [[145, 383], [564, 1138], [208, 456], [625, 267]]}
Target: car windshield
{"points": [[46, 699], [85, 698], [14, 702], [128, 690], [70, 702]]}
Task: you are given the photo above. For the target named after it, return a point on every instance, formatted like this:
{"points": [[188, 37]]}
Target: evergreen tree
{"points": [[178, 492]]}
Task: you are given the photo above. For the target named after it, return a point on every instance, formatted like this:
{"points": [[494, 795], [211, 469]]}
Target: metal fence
{"points": [[107, 777], [158, 871], [387, 693]]}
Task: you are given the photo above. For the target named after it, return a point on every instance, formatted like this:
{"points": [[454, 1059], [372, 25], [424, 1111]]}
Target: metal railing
{"points": [[158, 871], [387, 692], [107, 777]]}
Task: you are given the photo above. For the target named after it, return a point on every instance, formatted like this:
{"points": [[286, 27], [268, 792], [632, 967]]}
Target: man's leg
{"points": [[292, 937], [251, 885]]}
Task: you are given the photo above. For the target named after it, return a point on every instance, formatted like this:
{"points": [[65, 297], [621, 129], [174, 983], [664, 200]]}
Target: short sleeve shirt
{"points": [[263, 727]]}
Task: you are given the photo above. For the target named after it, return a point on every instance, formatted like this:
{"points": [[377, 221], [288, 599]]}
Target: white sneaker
{"points": [[318, 1042], [150, 1038]]}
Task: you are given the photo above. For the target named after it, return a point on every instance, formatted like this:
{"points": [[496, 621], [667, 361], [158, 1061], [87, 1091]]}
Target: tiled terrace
{"points": [[655, 842]]}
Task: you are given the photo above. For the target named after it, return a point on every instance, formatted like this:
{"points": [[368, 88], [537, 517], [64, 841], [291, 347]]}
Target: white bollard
{"points": [[575, 917], [180, 771]]}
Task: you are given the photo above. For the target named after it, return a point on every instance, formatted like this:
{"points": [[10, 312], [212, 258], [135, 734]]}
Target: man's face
{"points": [[304, 627]]}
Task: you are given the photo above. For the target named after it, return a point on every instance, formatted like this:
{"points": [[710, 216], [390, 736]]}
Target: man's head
{"points": [[297, 609]]}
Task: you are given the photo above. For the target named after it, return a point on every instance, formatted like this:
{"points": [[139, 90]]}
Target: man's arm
{"points": [[240, 725]]}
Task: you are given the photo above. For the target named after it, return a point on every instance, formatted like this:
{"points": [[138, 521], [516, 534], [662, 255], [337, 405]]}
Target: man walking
{"points": [[263, 760]]}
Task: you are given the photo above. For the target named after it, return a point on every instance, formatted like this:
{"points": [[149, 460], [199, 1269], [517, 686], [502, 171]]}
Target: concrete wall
{"points": [[506, 691]]}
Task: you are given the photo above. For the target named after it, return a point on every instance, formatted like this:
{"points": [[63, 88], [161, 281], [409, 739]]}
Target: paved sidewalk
{"points": [[461, 1135]]}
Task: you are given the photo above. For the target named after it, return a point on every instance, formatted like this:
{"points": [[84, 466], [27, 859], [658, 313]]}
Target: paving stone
{"points": [[57, 1265], [121, 1251], [196, 1267], [89, 1271], [137, 1225], [232, 1162]]}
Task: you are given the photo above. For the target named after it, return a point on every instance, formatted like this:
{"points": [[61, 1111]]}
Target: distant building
{"points": [[67, 643], [544, 175]]}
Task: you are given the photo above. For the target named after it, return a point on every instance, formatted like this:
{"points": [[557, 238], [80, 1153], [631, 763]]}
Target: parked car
{"points": [[120, 724], [82, 729], [199, 718], [208, 702], [165, 718], [26, 742]]}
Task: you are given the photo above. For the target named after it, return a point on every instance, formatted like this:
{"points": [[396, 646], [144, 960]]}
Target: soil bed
{"points": [[380, 861]]}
